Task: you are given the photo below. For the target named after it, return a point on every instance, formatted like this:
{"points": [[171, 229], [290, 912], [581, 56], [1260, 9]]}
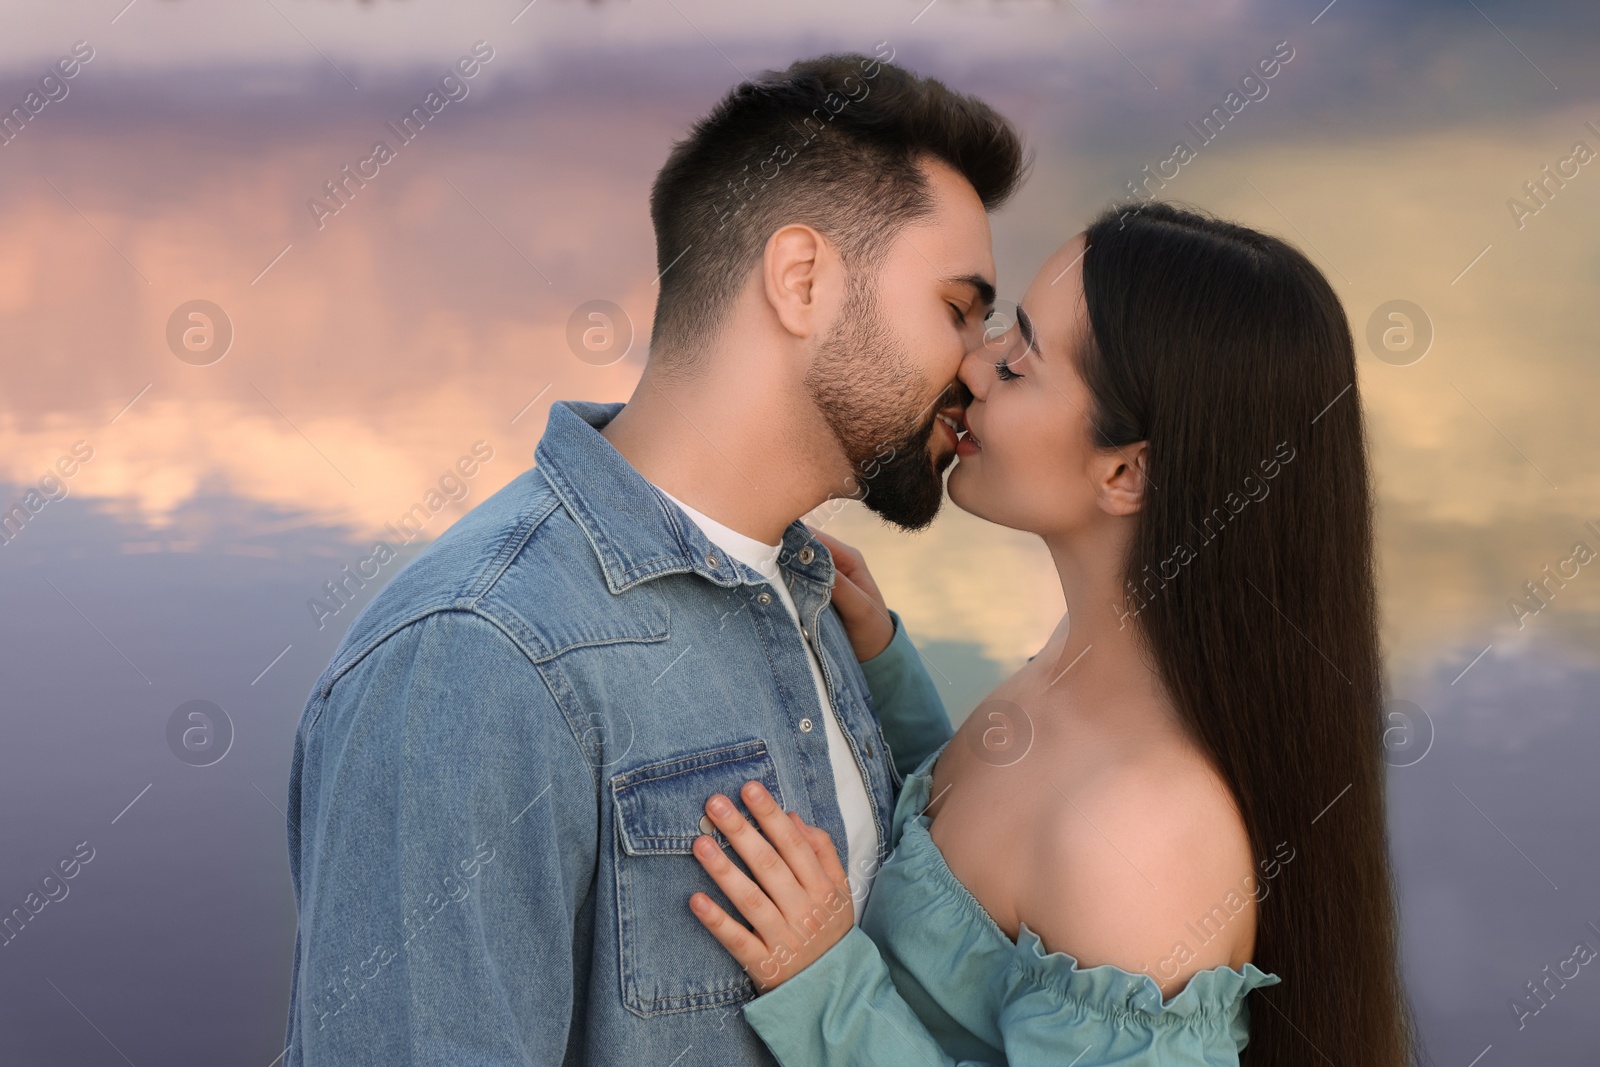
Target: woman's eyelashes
{"points": [[1003, 371]]}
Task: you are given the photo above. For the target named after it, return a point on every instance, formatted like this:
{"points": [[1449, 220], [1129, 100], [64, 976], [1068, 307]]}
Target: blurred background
{"points": [[216, 395]]}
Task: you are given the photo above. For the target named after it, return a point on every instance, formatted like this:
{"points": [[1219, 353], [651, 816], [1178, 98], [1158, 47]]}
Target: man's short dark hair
{"points": [[835, 143]]}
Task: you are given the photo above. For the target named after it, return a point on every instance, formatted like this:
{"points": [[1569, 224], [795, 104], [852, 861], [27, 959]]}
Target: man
{"points": [[498, 779]]}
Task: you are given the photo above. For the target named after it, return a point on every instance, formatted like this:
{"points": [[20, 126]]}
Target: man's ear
{"points": [[1120, 483], [799, 270]]}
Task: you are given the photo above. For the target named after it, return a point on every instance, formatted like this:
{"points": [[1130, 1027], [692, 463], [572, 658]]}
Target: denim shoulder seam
{"points": [[490, 573], [554, 691], [510, 547], [561, 695], [344, 665]]}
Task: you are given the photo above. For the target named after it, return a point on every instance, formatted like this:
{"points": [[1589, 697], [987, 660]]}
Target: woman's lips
{"points": [[968, 444]]}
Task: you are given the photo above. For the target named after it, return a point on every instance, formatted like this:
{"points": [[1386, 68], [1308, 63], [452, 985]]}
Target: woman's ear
{"points": [[1121, 483], [798, 270]]}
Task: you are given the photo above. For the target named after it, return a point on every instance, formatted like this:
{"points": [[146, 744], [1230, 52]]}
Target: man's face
{"points": [[887, 370]]}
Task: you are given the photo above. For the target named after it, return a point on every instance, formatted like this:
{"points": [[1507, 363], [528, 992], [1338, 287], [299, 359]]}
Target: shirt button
{"points": [[870, 752], [706, 825], [806, 555], [711, 561], [764, 598], [805, 726]]}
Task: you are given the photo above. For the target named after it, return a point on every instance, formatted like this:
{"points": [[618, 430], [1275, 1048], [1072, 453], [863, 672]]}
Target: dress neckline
{"points": [[923, 779]]}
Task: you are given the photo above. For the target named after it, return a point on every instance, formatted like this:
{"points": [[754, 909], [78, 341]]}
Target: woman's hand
{"points": [[802, 906], [861, 607]]}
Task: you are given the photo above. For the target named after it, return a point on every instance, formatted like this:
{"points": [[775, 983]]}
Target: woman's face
{"points": [[1027, 461]]}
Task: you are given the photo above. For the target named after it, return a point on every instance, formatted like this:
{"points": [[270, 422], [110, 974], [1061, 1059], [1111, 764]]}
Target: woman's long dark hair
{"points": [[1229, 353]]}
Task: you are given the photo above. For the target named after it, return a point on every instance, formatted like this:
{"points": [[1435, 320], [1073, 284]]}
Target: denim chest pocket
{"points": [[669, 962]]}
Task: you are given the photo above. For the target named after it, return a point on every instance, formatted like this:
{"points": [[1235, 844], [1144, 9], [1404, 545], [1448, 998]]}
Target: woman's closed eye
{"points": [[1009, 328]]}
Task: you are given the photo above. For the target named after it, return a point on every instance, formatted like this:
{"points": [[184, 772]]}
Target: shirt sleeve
{"points": [[844, 1010], [909, 708], [443, 833]]}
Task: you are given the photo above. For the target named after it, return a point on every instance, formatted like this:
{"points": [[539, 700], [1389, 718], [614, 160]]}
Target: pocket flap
{"points": [[659, 805]]}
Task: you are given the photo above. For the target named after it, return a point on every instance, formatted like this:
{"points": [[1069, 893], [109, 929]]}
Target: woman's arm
{"points": [[827, 996], [827, 999], [844, 1009], [909, 708]]}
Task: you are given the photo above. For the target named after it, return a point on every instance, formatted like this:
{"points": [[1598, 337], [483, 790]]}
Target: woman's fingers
{"points": [[849, 563], [844, 556], [753, 903], [860, 605], [849, 596], [727, 930], [848, 560], [823, 848], [791, 843], [796, 923], [771, 869], [746, 948]]}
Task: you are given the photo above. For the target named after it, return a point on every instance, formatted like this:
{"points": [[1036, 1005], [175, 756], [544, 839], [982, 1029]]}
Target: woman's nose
{"points": [[976, 372]]}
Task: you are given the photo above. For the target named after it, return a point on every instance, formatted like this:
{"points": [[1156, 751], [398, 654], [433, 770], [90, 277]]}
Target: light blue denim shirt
{"points": [[497, 780]]}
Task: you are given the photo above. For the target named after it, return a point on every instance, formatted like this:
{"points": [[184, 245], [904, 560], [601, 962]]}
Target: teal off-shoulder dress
{"points": [[928, 978]]}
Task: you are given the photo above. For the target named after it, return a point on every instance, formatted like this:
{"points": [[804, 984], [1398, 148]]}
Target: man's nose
{"points": [[956, 396], [975, 373], [975, 331]]}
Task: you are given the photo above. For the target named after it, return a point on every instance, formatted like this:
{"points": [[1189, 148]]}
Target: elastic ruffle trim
{"points": [[1116, 993]]}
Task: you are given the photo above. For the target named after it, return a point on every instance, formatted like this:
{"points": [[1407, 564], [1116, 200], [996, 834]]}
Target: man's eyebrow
{"points": [[980, 284]]}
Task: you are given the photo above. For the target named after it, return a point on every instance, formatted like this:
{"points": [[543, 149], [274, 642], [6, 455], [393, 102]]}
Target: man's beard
{"points": [[859, 382]]}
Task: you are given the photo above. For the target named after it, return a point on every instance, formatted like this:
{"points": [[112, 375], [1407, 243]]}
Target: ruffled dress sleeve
{"points": [[909, 709], [844, 1009]]}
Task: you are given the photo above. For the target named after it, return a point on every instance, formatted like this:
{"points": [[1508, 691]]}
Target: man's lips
{"points": [[954, 421], [951, 414], [952, 424], [953, 417]]}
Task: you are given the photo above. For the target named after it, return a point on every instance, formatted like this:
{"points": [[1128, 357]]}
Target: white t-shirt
{"points": [[855, 803]]}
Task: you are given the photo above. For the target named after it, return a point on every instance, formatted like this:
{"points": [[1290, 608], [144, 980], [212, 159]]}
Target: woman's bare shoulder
{"points": [[1143, 863]]}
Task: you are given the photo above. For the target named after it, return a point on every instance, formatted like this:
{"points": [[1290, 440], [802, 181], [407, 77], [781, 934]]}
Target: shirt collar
{"points": [[634, 534], [757, 555]]}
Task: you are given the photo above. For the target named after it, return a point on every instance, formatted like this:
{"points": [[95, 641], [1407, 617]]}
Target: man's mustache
{"points": [[956, 394]]}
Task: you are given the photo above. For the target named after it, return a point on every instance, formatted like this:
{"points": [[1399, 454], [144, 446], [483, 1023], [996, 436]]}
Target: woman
{"points": [[1178, 803]]}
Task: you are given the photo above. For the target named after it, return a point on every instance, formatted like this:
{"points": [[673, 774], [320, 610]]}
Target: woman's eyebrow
{"points": [[1025, 324]]}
